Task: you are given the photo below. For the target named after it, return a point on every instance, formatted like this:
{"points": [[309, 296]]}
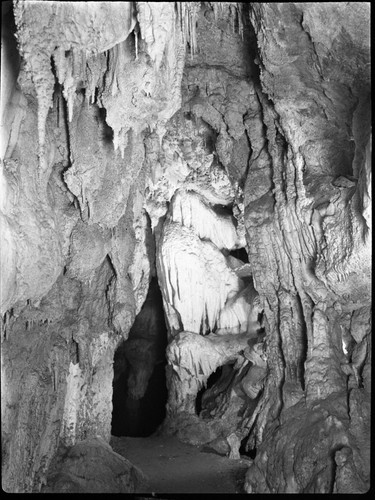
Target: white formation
{"points": [[187, 13], [203, 290], [367, 197], [75, 381], [88, 389], [189, 210], [197, 278], [241, 312], [141, 96], [195, 357], [156, 22], [234, 317]]}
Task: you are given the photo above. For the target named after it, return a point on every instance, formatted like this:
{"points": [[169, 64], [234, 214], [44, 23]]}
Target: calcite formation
{"points": [[221, 151]]}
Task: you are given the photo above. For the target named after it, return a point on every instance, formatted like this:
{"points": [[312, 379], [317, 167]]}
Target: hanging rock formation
{"points": [[225, 150]]}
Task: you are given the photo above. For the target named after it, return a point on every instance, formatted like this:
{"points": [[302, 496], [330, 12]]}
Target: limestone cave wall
{"points": [[221, 152]]}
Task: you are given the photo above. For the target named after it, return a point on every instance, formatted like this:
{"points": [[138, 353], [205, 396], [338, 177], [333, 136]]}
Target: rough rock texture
{"points": [[75, 259], [195, 204], [313, 62], [91, 466], [224, 149], [227, 405]]}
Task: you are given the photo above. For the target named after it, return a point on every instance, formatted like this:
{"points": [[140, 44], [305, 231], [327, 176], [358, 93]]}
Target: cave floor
{"points": [[175, 467]]}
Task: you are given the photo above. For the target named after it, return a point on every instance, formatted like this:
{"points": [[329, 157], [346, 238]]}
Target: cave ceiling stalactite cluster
{"points": [[222, 152]]}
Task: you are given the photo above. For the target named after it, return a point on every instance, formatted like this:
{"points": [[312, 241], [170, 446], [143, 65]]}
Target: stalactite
{"points": [[136, 42], [96, 66], [233, 11], [239, 8], [44, 103], [187, 15], [120, 140]]}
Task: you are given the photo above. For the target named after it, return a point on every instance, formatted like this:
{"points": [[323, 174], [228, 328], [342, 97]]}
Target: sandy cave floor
{"points": [[174, 467]]}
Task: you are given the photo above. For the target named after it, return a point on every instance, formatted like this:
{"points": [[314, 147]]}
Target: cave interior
{"points": [[186, 245]]}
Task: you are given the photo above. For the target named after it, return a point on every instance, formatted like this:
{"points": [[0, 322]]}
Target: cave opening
{"points": [[210, 396], [105, 130], [246, 450], [240, 254], [139, 383]]}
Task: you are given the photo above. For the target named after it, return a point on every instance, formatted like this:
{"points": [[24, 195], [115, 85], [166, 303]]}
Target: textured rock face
{"points": [[209, 298], [91, 466], [76, 259], [225, 150], [314, 227]]}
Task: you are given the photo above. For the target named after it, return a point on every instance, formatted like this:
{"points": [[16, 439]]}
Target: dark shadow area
{"points": [[304, 346], [139, 384], [250, 42], [106, 132], [210, 397], [212, 379], [240, 254], [223, 210], [244, 449], [11, 59]]}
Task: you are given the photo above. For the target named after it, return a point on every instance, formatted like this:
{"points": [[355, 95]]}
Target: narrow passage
{"points": [[174, 467]]}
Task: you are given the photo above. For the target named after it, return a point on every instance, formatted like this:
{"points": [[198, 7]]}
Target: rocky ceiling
{"points": [[222, 149]]}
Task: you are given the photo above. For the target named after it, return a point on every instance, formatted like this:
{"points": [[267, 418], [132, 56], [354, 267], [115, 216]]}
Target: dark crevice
{"points": [[333, 466], [282, 147], [244, 449], [10, 55], [105, 130], [223, 210], [250, 40], [212, 379], [108, 291], [304, 345], [96, 94], [107, 73], [74, 352], [240, 254], [209, 397], [242, 181], [280, 351], [113, 269], [61, 105], [139, 384]]}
